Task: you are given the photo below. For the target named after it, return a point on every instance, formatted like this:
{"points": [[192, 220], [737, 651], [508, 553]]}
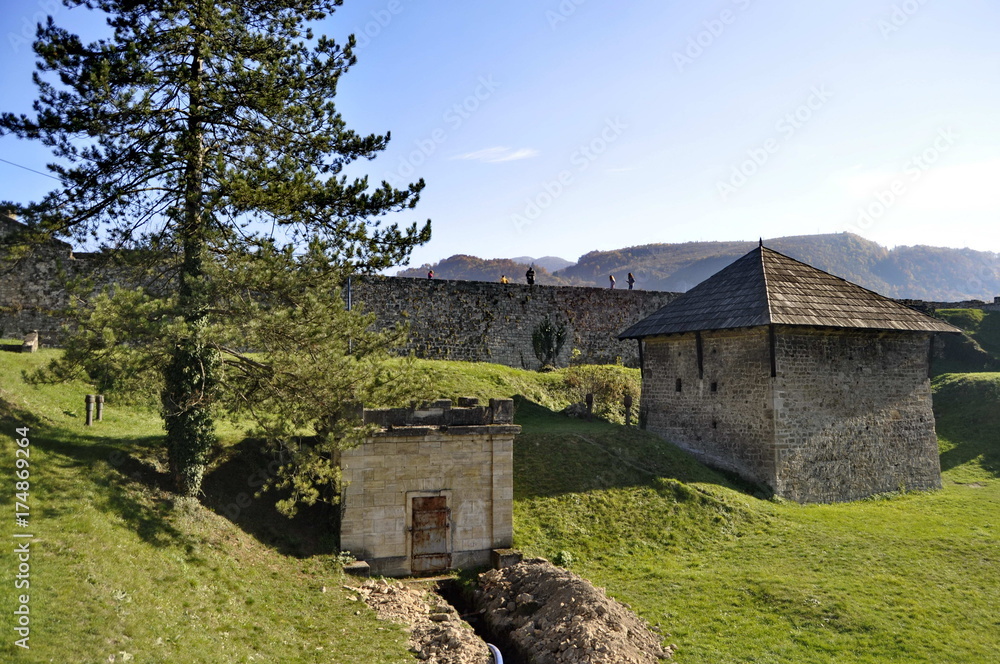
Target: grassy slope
{"points": [[730, 577], [733, 578], [554, 390], [116, 568], [976, 350], [983, 326]]}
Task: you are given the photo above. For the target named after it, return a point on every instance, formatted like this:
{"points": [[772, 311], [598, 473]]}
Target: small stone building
{"points": [[432, 490], [794, 379]]}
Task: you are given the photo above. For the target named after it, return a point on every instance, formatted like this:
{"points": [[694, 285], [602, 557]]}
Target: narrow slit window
{"points": [[715, 387], [678, 389]]}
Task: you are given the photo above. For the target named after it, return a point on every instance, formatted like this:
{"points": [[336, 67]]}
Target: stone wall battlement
{"points": [[478, 321], [438, 414]]}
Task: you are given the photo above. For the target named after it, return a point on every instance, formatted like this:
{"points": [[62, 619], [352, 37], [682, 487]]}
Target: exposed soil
{"points": [[437, 634], [541, 613], [552, 616]]}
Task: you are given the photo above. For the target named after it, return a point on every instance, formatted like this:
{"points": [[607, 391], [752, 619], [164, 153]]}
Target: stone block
{"points": [[500, 558], [358, 568], [30, 344]]}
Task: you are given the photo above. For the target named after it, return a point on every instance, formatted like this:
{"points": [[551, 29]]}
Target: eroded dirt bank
{"points": [[541, 613], [552, 616], [437, 634]]}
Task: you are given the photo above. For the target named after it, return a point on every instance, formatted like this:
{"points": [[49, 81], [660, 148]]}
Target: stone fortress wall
{"points": [[449, 319], [481, 321], [31, 289]]}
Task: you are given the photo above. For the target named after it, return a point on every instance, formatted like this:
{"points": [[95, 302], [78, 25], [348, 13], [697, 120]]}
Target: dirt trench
{"points": [[537, 612], [552, 616]]}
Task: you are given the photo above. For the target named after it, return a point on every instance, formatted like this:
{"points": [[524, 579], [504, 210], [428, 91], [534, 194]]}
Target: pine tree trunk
{"points": [[190, 378]]}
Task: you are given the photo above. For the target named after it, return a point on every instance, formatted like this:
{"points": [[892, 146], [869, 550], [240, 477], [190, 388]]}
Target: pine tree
{"points": [[188, 136]]}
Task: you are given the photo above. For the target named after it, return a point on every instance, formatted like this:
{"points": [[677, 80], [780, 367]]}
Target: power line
{"points": [[29, 169]]}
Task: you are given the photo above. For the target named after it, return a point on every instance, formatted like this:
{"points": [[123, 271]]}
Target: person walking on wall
{"points": [[611, 278], [631, 281], [530, 275], [430, 274], [504, 279]]}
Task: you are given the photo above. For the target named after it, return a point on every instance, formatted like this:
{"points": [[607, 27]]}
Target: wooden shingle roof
{"points": [[765, 287]]}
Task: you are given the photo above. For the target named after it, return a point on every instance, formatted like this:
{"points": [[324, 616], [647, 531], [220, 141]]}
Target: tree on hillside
{"points": [[188, 136]]}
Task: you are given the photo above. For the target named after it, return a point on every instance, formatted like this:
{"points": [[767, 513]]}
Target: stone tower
{"points": [[794, 379]]}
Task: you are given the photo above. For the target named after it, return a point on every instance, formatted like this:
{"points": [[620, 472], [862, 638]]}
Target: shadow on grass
{"points": [[231, 489], [130, 487], [556, 454], [967, 414]]}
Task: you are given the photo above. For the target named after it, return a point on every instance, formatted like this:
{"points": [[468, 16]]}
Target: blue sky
{"points": [[558, 127]]}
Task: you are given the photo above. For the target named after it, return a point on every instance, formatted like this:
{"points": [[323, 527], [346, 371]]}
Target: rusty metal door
{"points": [[431, 522]]}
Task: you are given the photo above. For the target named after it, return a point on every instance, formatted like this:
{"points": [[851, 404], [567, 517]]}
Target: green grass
{"points": [[978, 349], [553, 390], [966, 319], [118, 567], [967, 413], [734, 578]]}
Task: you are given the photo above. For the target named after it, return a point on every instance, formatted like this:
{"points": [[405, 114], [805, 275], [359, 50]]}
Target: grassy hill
{"points": [[121, 571], [977, 349], [733, 578], [119, 566]]}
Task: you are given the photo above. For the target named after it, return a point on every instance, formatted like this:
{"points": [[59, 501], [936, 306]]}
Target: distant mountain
{"points": [[550, 263], [471, 268], [921, 272]]}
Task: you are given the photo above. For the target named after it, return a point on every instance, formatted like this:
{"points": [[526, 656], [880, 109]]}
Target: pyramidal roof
{"points": [[765, 287]]}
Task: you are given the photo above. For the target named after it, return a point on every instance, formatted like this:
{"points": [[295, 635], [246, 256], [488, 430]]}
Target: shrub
{"points": [[609, 383], [547, 339]]}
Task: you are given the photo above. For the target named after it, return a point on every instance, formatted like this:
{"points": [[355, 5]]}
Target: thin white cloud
{"points": [[497, 155]]}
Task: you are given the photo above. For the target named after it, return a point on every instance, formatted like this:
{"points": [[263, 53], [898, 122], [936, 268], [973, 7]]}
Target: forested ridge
{"points": [[918, 272]]}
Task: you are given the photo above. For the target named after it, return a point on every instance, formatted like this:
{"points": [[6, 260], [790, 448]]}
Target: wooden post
{"points": [[628, 410], [89, 403], [590, 406]]}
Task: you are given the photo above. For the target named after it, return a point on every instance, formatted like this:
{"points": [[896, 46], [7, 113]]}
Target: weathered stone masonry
{"points": [[847, 414], [458, 320], [730, 426], [491, 322], [30, 290], [462, 458], [853, 414]]}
